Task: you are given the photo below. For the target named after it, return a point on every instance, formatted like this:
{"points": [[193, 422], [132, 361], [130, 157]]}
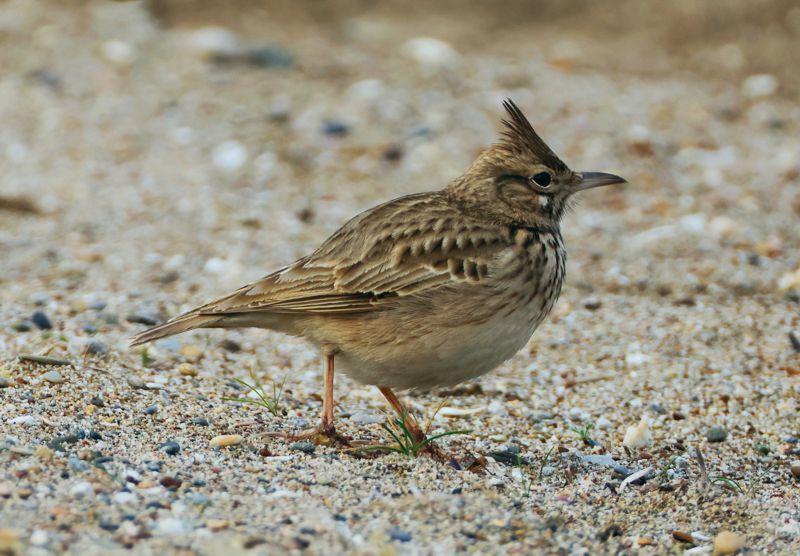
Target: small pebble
{"points": [[39, 537], [43, 452], [136, 382], [603, 424], [202, 421], [214, 42], [118, 52], [138, 318], [229, 156], [431, 53], [795, 468], [53, 377], [759, 85], [592, 303], [226, 440], [96, 347], [25, 420], [187, 369], [728, 542], [171, 526], [83, 489], [270, 56], [335, 128], [22, 326], [397, 534], [363, 418], [151, 410], [638, 436], [199, 499], [170, 482], [230, 345], [303, 446], [717, 434], [170, 447], [41, 320], [6, 382]]}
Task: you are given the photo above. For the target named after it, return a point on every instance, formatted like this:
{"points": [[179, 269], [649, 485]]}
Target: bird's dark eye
{"points": [[542, 179]]}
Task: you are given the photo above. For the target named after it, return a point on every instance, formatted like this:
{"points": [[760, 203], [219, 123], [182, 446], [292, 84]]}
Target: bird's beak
{"points": [[596, 179]]}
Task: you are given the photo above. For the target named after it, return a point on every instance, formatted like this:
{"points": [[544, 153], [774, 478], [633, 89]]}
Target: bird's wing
{"points": [[403, 247]]}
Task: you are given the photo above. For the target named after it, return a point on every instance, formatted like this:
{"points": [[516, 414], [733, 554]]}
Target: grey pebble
{"points": [[96, 347], [304, 446], [397, 534], [170, 447], [202, 421], [269, 56], [82, 490], [367, 418], [335, 128], [6, 382], [136, 382], [199, 499], [139, 318], [717, 434], [89, 328], [41, 320], [21, 326], [151, 410], [57, 443], [78, 464]]}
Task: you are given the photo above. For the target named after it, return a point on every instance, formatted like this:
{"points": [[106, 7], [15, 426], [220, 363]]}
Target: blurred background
{"points": [[177, 148]]}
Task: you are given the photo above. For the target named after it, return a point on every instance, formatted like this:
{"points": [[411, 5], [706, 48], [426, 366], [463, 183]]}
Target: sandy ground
{"points": [[149, 163]]}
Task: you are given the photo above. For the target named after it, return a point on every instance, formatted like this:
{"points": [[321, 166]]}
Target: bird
{"points": [[427, 290]]}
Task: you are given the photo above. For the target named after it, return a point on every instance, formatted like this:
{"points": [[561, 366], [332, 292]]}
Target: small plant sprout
{"points": [[271, 403], [405, 442], [727, 483], [146, 359], [584, 433]]}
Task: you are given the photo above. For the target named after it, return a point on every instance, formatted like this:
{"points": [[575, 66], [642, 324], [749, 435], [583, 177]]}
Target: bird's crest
{"points": [[519, 138]]}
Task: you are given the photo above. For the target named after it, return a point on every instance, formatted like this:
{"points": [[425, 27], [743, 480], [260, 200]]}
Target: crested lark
{"points": [[429, 289]]}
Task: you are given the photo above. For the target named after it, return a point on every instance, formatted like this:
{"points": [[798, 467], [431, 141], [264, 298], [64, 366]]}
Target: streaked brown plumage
{"points": [[429, 289]]}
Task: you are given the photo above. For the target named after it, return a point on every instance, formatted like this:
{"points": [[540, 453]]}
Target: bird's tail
{"points": [[179, 324]]}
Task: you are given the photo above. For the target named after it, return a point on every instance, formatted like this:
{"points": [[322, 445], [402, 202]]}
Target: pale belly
{"points": [[441, 358]]}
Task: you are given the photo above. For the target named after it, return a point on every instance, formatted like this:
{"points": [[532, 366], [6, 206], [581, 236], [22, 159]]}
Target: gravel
{"points": [[169, 156]]}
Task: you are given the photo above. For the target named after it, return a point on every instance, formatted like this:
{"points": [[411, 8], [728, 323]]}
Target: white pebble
{"points": [[39, 537], [368, 89], [171, 526], [119, 52], [208, 42], [215, 265], [759, 85], [575, 414], [26, 420], [638, 436], [123, 498], [461, 411], [603, 424], [53, 377], [229, 156], [82, 490], [431, 53]]}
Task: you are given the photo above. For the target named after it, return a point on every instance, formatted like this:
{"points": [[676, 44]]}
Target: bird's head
{"points": [[521, 180]]}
